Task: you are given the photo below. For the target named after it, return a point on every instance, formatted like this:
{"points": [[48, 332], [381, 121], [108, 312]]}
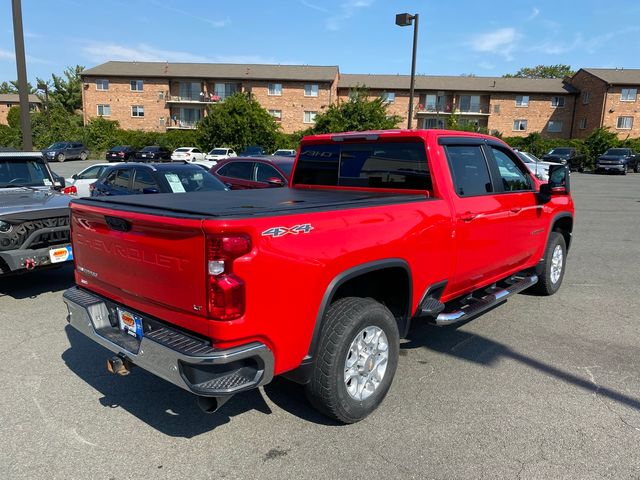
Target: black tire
{"points": [[345, 321], [546, 286], [624, 170], [83, 156], [637, 168], [60, 157]]}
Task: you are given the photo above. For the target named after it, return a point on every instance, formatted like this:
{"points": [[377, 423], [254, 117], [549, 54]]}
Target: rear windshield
{"points": [[182, 149], [150, 149], [120, 148], [218, 151], [561, 151], [191, 179], [386, 165]]}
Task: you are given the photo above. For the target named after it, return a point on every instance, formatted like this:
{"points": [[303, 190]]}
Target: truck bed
{"points": [[247, 203]]}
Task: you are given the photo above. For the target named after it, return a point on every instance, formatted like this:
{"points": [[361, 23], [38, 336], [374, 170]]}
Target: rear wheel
{"points": [[357, 359], [555, 259]]}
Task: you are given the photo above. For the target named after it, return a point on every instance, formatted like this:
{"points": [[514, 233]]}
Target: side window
{"points": [[469, 170], [265, 172], [122, 179], [91, 173], [240, 170], [514, 179], [143, 179], [111, 178], [195, 150]]}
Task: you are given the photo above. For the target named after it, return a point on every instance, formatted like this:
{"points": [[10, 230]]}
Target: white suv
{"points": [[217, 154], [190, 154]]}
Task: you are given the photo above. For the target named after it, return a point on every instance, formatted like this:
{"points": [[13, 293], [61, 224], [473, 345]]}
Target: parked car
{"points": [[254, 172], [188, 154], [221, 292], [252, 151], [62, 151], [618, 160], [221, 153], [34, 216], [153, 153], [566, 156], [284, 153], [78, 184], [539, 168], [121, 153], [135, 178]]}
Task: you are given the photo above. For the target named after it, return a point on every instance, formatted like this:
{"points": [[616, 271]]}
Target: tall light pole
{"points": [[405, 20], [21, 66]]}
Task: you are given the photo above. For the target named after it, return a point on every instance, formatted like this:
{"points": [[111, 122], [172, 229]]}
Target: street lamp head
{"points": [[404, 19]]}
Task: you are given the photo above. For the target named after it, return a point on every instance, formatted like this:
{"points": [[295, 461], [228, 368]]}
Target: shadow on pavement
{"points": [[165, 407], [481, 350], [30, 285]]}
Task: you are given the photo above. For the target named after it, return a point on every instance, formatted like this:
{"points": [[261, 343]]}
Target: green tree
{"points": [[66, 90], [12, 87], [237, 122], [598, 141], [356, 114], [543, 71]]}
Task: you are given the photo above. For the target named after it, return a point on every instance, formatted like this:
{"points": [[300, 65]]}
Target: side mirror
{"points": [[275, 181], [150, 190], [74, 176], [59, 182], [558, 184]]}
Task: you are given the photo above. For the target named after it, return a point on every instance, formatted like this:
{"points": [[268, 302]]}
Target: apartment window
{"points": [[522, 100], [276, 114], [136, 85], [137, 111], [434, 123], [311, 90], [275, 89], [470, 103], [629, 94], [310, 117], [554, 126], [389, 97], [520, 125], [496, 108], [102, 84], [586, 96], [625, 123], [104, 110], [557, 101], [583, 123]]}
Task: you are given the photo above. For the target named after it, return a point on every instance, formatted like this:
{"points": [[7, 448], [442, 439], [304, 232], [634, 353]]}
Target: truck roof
{"points": [[395, 133]]}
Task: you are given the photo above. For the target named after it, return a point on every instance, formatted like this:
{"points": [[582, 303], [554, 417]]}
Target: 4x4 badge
{"points": [[276, 232]]}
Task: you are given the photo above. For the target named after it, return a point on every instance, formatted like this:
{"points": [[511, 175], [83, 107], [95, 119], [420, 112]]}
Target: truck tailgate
{"points": [[145, 258]]}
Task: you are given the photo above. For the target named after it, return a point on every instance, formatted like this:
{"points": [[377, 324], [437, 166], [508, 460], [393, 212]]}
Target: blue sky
{"points": [[357, 35]]}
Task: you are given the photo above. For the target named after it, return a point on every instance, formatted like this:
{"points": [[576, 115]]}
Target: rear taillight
{"points": [[225, 290], [121, 154], [72, 190]]}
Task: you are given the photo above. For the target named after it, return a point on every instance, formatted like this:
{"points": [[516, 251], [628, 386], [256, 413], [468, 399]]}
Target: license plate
{"points": [[130, 324], [63, 254], [144, 155]]}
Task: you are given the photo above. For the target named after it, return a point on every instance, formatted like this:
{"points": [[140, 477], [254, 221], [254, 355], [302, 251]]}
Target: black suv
{"points": [[618, 160], [566, 156], [153, 153], [136, 178], [34, 217], [62, 151], [121, 153]]}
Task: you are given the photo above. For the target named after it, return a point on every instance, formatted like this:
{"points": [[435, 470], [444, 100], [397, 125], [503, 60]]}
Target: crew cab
{"points": [[218, 292]]}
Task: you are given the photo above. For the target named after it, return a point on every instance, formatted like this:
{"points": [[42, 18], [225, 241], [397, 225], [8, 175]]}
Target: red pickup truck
{"points": [[217, 292]]}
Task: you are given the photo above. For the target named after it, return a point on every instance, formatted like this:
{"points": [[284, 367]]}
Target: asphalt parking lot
{"points": [[536, 388]]}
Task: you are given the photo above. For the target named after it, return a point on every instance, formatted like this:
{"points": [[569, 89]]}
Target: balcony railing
{"points": [[435, 108], [473, 108], [182, 125], [200, 99]]}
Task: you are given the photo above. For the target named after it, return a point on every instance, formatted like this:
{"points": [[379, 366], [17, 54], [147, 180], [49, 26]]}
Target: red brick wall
{"points": [[615, 107], [592, 111]]}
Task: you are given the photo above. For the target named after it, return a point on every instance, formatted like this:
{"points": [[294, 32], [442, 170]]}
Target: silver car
{"points": [[539, 168]]}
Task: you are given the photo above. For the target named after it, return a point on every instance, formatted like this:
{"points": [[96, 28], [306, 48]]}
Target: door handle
{"points": [[468, 216], [516, 209]]}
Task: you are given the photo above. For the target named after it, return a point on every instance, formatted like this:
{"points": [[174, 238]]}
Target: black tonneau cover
{"points": [[247, 203]]}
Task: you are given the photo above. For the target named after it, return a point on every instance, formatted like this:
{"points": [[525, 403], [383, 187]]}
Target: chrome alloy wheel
{"points": [[366, 363], [556, 264]]}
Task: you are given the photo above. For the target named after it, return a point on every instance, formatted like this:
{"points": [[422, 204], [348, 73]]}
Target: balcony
{"points": [[434, 108], [194, 100], [473, 109], [182, 125]]}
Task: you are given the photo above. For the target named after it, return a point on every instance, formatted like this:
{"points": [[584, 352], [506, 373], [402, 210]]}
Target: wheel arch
{"points": [[563, 224], [365, 280]]}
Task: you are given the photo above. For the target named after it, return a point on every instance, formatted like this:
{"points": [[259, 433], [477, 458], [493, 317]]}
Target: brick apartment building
{"points": [[8, 100], [158, 96]]}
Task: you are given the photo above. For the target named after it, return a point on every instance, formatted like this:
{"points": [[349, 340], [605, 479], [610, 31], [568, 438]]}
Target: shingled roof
{"points": [[457, 83], [15, 98], [616, 76], [228, 71]]}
